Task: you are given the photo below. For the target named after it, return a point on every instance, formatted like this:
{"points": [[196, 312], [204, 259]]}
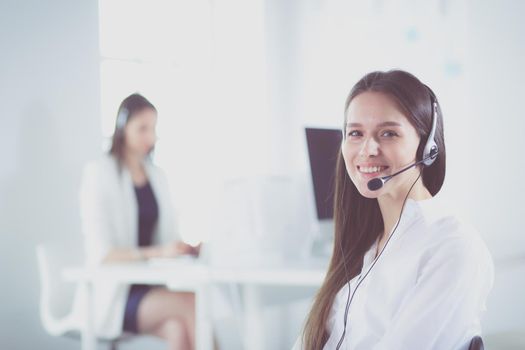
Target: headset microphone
{"points": [[378, 182]]}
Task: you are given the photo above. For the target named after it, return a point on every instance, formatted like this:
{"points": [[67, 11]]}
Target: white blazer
{"points": [[109, 215]]}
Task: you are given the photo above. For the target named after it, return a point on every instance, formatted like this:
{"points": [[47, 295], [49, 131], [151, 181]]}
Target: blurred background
{"points": [[235, 83]]}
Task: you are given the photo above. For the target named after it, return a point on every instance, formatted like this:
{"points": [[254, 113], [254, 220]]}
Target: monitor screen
{"points": [[324, 146]]}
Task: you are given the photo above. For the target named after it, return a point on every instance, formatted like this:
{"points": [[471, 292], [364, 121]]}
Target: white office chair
{"points": [[59, 313]]}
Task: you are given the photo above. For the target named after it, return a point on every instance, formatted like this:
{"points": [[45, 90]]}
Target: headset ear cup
{"points": [[430, 152], [122, 118]]}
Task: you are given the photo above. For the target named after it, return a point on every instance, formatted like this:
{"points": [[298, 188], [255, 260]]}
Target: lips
{"points": [[370, 171]]}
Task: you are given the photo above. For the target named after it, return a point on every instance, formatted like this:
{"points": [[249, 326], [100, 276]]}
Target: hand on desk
{"points": [[178, 248], [170, 250]]}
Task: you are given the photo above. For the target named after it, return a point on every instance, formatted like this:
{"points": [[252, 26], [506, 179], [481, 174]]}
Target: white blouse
{"points": [[427, 290]]}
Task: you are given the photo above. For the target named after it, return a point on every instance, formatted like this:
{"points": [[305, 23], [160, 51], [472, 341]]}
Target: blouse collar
{"points": [[412, 212]]}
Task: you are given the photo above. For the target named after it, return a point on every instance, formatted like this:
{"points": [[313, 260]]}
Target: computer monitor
{"points": [[324, 146]]}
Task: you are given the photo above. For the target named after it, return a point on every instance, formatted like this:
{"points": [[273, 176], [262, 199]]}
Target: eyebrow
{"points": [[358, 125]]}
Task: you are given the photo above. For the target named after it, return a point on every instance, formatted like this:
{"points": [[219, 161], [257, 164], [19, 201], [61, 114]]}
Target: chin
{"points": [[365, 192], [362, 188]]}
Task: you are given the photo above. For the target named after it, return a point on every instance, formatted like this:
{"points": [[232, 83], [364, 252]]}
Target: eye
{"points": [[354, 133], [389, 133]]}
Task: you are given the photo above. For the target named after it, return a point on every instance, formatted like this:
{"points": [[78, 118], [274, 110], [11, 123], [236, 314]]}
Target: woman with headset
{"points": [[127, 216], [405, 273]]}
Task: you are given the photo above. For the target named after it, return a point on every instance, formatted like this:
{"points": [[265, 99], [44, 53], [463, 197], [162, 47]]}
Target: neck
{"points": [[391, 204], [133, 161]]}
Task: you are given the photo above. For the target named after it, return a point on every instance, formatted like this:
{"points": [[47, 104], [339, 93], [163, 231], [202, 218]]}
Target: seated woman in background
{"points": [[405, 272], [127, 216]]}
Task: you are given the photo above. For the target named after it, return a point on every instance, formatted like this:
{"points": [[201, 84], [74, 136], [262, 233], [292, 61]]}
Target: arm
{"points": [[98, 218], [442, 307], [99, 228], [132, 254], [94, 211], [170, 250]]}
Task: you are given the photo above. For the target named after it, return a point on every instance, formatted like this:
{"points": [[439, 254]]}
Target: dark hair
{"points": [[358, 220], [131, 105]]}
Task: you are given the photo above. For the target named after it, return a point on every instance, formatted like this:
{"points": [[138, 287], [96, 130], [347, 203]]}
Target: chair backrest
{"points": [[56, 296], [61, 308], [476, 344]]}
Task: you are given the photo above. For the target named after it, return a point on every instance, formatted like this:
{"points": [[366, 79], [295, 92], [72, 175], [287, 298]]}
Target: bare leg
{"points": [[173, 331], [169, 315]]}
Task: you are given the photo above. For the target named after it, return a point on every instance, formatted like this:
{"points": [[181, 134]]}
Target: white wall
{"points": [[50, 125], [492, 150]]}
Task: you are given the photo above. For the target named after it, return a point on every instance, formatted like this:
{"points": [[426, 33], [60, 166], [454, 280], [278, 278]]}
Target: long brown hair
{"points": [[358, 220], [131, 105]]}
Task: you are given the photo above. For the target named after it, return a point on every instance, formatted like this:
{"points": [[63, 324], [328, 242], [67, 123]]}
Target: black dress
{"points": [[148, 217]]}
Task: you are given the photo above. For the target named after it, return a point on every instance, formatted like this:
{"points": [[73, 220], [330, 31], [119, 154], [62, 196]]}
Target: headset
{"points": [[430, 153], [122, 118]]}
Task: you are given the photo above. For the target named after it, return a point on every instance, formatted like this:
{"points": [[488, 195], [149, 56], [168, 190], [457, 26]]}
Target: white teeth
{"points": [[373, 169]]}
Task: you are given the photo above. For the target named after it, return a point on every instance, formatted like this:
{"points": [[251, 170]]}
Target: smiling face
{"points": [[379, 140], [140, 132]]}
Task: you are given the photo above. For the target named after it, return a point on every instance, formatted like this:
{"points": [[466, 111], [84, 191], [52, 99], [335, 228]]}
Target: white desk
{"points": [[251, 279], [197, 278]]}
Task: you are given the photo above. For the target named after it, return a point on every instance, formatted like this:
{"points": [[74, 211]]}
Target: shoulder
{"points": [[444, 223], [101, 172], [448, 237], [456, 245], [106, 164]]}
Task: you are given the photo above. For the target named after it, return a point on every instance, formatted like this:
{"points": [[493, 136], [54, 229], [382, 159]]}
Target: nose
{"points": [[369, 148]]}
